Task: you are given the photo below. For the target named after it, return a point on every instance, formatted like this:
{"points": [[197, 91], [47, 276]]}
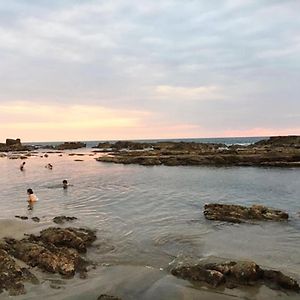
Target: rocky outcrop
{"points": [[280, 141], [14, 145], [11, 142], [235, 273], [70, 145], [238, 214], [193, 154], [55, 250]]}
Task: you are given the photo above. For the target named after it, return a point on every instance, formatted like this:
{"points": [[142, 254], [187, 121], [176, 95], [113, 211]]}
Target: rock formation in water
{"points": [[238, 214], [235, 273], [13, 145], [55, 250], [278, 152], [70, 145]]}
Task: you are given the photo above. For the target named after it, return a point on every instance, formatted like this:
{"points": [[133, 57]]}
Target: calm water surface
{"points": [[149, 217]]}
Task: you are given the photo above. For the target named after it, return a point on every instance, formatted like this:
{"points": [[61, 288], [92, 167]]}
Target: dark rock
{"points": [[78, 239], [107, 297], [246, 272], [235, 273], [280, 141], [22, 217], [70, 145], [10, 142], [12, 275], [55, 250], [199, 273], [63, 219], [35, 219], [14, 145], [47, 257], [237, 213]]}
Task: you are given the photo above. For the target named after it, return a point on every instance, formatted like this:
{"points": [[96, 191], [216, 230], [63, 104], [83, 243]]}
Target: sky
{"points": [[137, 69]]}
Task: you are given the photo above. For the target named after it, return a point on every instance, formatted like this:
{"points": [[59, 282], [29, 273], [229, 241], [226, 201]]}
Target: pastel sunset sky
{"points": [[96, 70]]}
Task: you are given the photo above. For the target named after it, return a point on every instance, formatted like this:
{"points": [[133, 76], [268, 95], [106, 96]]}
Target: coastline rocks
{"points": [[14, 145], [55, 250], [275, 152], [233, 273], [77, 238], [239, 214], [70, 145], [12, 275], [63, 219], [280, 141], [11, 142]]}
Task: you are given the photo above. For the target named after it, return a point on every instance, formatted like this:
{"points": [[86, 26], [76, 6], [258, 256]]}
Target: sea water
{"points": [[148, 218]]}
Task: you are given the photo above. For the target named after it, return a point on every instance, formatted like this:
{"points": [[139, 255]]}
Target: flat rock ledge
{"points": [[233, 274], [239, 214], [55, 250]]}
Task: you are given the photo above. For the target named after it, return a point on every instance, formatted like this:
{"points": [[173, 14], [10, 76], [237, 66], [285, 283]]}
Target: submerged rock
{"points": [[35, 219], [238, 214], [235, 273], [63, 219], [22, 217]]}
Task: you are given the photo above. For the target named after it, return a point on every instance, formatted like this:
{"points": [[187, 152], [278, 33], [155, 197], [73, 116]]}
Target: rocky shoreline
{"points": [[274, 152], [54, 250]]}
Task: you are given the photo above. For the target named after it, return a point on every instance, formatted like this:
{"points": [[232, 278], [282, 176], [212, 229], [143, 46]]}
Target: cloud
{"points": [[216, 65]]}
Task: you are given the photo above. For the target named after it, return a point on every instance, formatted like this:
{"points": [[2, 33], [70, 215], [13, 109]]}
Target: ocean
{"points": [[149, 218]]}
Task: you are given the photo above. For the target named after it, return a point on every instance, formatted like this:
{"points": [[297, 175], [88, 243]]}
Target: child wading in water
{"points": [[31, 196]]}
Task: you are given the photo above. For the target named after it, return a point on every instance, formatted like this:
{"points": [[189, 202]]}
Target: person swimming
{"points": [[65, 184], [31, 196], [49, 166], [22, 166]]}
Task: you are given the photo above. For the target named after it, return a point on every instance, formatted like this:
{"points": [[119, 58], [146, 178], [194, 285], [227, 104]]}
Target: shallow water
{"points": [[149, 217]]}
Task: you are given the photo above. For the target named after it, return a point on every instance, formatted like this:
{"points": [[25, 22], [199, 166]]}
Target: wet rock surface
{"points": [[63, 219], [275, 152], [239, 214], [55, 250], [236, 273]]}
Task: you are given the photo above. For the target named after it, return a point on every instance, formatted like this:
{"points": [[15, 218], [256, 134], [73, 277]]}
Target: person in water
{"points": [[31, 196], [65, 184], [22, 166], [49, 166]]}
